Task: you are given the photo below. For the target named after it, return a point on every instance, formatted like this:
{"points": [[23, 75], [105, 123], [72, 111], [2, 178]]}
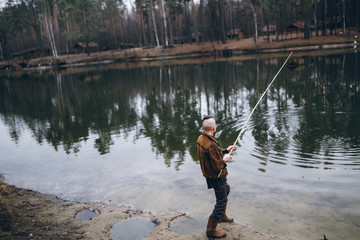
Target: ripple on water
{"points": [[282, 142], [332, 158]]}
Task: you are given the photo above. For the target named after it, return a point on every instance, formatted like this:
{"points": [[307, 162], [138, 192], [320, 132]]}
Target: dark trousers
{"points": [[222, 191]]}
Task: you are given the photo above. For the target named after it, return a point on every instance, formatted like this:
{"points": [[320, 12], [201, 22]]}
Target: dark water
{"points": [[127, 135]]}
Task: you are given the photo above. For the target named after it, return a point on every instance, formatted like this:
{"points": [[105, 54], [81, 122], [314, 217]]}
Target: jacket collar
{"points": [[211, 137]]}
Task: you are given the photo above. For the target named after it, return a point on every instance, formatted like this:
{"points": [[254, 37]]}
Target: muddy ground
{"points": [[26, 214]]}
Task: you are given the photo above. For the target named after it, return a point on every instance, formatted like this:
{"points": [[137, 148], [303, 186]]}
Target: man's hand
{"points": [[226, 157], [229, 148]]}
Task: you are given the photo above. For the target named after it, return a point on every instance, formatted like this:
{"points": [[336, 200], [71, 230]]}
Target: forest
{"points": [[38, 28]]}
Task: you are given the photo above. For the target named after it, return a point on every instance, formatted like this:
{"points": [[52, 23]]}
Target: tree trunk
{"points": [[176, 27], [195, 23], [267, 25], [323, 7], [113, 27], [186, 27], [36, 26], [56, 22], [49, 30], [68, 28], [344, 25], [255, 23], [154, 23], [85, 27], [171, 32], [229, 12], [222, 20], [150, 25], [357, 14], [164, 18], [202, 19], [316, 22], [1, 53], [306, 30], [142, 24]]}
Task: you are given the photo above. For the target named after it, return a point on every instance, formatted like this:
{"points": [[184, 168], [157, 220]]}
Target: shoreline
{"points": [[27, 214], [233, 48]]}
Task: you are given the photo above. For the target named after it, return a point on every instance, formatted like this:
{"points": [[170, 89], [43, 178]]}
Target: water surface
{"points": [[127, 136]]}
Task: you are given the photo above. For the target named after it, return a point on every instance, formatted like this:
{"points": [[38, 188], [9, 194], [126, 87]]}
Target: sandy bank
{"points": [[26, 214]]}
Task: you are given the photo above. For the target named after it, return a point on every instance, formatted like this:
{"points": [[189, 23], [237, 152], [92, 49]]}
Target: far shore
{"points": [[232, 48]]}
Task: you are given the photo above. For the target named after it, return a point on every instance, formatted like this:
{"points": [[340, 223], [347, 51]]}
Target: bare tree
{"points": [[195, 23], [1, 53], [111, 6], [343, 8], [164, 18], [222, 20], [142, 22], [255, 22], [202, 19], [154, 22], [266, 6], [49, 29]]}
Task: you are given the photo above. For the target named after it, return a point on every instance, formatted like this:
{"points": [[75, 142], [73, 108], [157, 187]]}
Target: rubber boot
{"points": [[211, 231], [226, 218]]}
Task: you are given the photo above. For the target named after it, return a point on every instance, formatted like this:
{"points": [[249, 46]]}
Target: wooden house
{"points": [[297, 29], [294, 28], [186, 39], [80, 47], [272, 30], [236, 33]]}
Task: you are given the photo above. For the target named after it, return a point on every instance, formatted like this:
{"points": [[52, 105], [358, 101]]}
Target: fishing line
{"points": [[243, 127]]}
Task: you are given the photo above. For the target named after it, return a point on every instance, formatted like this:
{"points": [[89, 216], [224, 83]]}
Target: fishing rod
{"points": [[243, 127]]}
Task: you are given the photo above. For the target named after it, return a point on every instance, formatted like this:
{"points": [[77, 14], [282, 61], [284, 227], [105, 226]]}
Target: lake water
{"points": [[125, 134]]}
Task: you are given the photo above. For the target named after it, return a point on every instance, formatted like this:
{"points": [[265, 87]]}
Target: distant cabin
{"points": [[294, 28], [297, 29], [186, 39], [236, 33], [80, 47], [272, 30]]}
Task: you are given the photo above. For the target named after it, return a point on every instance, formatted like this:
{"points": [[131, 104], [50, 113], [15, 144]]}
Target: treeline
{"points": [[53, 27]]}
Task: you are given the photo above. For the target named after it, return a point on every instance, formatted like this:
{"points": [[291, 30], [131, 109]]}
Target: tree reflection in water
{"points": [[166, 105]]}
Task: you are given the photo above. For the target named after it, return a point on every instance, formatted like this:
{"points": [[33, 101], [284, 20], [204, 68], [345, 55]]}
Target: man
{"points": [[213, 167]]}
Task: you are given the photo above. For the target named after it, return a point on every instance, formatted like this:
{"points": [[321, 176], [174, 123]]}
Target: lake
{"points": [[126, 134]]}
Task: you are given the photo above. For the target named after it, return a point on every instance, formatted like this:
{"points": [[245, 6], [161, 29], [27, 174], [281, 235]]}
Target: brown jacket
{"points": [[210, 156]]}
